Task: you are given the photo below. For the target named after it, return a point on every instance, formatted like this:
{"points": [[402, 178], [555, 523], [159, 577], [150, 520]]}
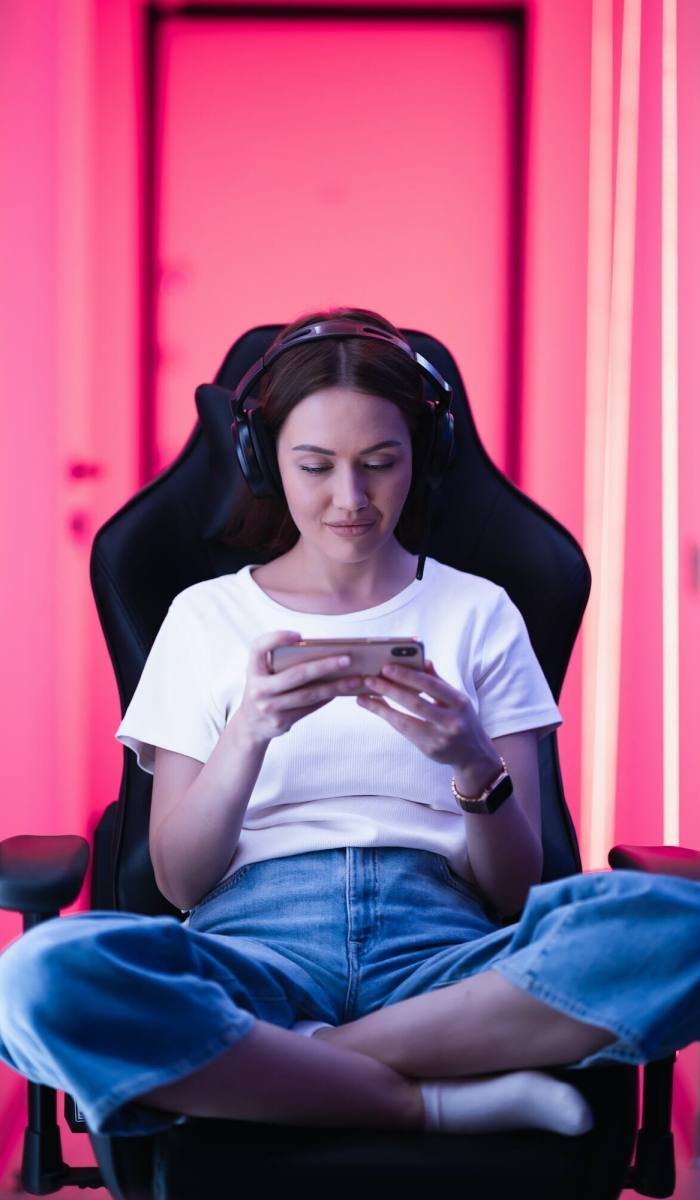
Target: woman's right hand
{"points": [[271, 704]]}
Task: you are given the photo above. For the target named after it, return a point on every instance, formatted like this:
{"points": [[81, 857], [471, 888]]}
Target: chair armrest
{"points": [[660, 860], [41, 874]]}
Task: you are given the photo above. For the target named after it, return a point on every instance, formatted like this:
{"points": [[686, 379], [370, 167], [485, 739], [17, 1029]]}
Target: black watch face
{"points": [[500, 793]]}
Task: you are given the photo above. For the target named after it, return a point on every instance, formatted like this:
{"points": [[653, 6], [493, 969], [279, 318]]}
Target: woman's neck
{"points": [[346, 587]]}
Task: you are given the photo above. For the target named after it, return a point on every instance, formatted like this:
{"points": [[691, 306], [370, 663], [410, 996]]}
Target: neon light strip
{"points": [[612, 550], [669, 426], [597, 329]]}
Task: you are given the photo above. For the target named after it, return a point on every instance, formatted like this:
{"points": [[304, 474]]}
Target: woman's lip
{"points": [[351, 530]]}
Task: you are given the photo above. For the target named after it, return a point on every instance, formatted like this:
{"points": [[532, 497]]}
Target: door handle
{"points": [[79, 469]]}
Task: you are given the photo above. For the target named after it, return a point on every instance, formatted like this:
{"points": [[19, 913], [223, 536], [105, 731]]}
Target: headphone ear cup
{"points": [[247, 459], [265, 454], [256, 456]]}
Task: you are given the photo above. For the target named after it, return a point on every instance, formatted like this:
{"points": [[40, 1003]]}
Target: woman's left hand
{"points": [[445, 726]]}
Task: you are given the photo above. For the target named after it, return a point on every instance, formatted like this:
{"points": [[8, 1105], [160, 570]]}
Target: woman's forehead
{"points": [[344, 413]]}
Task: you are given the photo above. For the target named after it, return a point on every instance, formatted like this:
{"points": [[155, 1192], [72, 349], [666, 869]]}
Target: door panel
{"points": [[313, 162]]}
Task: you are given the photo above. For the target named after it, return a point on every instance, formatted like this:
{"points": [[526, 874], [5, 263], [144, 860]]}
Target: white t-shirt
{"points": [[341, 776]]}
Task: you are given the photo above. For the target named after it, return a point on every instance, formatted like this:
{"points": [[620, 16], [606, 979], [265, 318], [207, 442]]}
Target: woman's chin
{"points": [[348, 548]]}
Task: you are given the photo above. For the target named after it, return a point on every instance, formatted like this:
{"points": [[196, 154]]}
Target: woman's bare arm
{"points": [[197, 809], [505, 847]]}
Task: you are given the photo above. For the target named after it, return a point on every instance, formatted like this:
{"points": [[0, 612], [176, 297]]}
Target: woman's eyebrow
{"points": [[368, 450]]}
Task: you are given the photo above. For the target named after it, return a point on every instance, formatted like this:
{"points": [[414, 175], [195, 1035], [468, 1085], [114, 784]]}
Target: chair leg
{"points": [[654, 1170], [43, 1169]]}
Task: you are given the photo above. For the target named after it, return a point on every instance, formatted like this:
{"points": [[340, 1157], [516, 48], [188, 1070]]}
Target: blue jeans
{"points": [[107, 1006]]}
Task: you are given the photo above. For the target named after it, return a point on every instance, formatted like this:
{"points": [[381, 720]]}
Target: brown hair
{"points": [[373, 367]]}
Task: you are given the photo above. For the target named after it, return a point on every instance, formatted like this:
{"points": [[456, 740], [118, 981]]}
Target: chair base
{"points": [[43, 1170]]}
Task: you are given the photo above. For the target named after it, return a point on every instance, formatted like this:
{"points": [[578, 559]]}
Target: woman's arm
{"points": [[505, 847], [197, 809], [194, 830]]}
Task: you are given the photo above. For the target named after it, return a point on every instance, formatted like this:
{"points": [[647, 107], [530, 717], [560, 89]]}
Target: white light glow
{"points": [[602, 686], [600, 192]]}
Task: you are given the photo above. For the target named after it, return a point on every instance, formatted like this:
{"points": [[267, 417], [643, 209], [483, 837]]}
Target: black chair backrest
{"points": [[165, 538]]}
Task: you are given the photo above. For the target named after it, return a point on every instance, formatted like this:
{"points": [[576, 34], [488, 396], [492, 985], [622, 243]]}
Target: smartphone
{"points": [[368, 655]]}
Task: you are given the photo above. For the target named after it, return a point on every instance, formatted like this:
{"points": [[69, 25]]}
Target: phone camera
{"points": [[404, 651]]}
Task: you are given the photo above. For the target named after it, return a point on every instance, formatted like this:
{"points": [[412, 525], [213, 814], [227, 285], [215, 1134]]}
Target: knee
{"points": [[662, 910], [649, 894], [37, 973]]}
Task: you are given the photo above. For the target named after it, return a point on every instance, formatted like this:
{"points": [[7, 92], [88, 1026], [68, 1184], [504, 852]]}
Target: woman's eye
{"points": [[369, 466]]}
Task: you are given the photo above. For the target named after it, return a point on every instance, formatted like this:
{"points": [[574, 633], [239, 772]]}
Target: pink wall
{"points": [[69, 362], [68, 358], [28, 468]]}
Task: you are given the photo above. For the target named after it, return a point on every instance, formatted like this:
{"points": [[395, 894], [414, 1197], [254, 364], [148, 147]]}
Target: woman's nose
{"points": [[350, 490]]}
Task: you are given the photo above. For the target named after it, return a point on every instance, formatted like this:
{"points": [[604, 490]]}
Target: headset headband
{"points": [[336, 328]]}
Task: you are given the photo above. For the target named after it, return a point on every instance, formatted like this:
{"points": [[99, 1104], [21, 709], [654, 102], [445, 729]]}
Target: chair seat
{"points": [[205, 1157]]}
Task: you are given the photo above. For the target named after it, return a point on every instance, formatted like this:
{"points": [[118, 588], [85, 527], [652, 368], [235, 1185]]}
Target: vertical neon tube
{"points": [[606, 712], [600, 191], [669, 425]]}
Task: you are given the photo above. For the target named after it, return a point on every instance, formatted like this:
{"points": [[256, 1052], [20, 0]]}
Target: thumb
{"points": [[267, 641]]}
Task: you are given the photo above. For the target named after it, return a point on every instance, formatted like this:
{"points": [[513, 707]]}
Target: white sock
{"points": [[308, 1028], [515, 1100]]}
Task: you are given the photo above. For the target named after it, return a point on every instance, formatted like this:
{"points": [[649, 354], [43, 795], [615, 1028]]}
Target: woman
{"points": [[314, 828]]}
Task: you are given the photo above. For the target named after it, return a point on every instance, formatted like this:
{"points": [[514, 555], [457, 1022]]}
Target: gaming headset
{"points": [[255, 448]]}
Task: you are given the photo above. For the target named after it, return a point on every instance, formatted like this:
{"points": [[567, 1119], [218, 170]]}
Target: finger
{"points": [[292, 715], [267, 641], [402, 722], [319, 693], [307, 672], [422, 681], [414, 683], [408, 699], [305, 709]]}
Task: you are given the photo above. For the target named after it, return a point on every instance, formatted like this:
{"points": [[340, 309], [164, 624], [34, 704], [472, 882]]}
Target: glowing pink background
{"points": [[399, 191]]}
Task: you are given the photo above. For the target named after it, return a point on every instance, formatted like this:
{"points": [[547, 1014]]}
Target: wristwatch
{"points": [[492, 796]]}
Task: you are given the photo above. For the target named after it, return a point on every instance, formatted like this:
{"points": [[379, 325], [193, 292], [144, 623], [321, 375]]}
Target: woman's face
{"points": [[345, 462]]}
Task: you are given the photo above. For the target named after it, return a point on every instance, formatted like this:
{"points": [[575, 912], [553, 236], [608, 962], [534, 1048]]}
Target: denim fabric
{"points": [[108, 1005]]}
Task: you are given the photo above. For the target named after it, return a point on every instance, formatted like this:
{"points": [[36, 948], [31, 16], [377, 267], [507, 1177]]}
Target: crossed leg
{"points": [[360, 1073], [478, 1025]]}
